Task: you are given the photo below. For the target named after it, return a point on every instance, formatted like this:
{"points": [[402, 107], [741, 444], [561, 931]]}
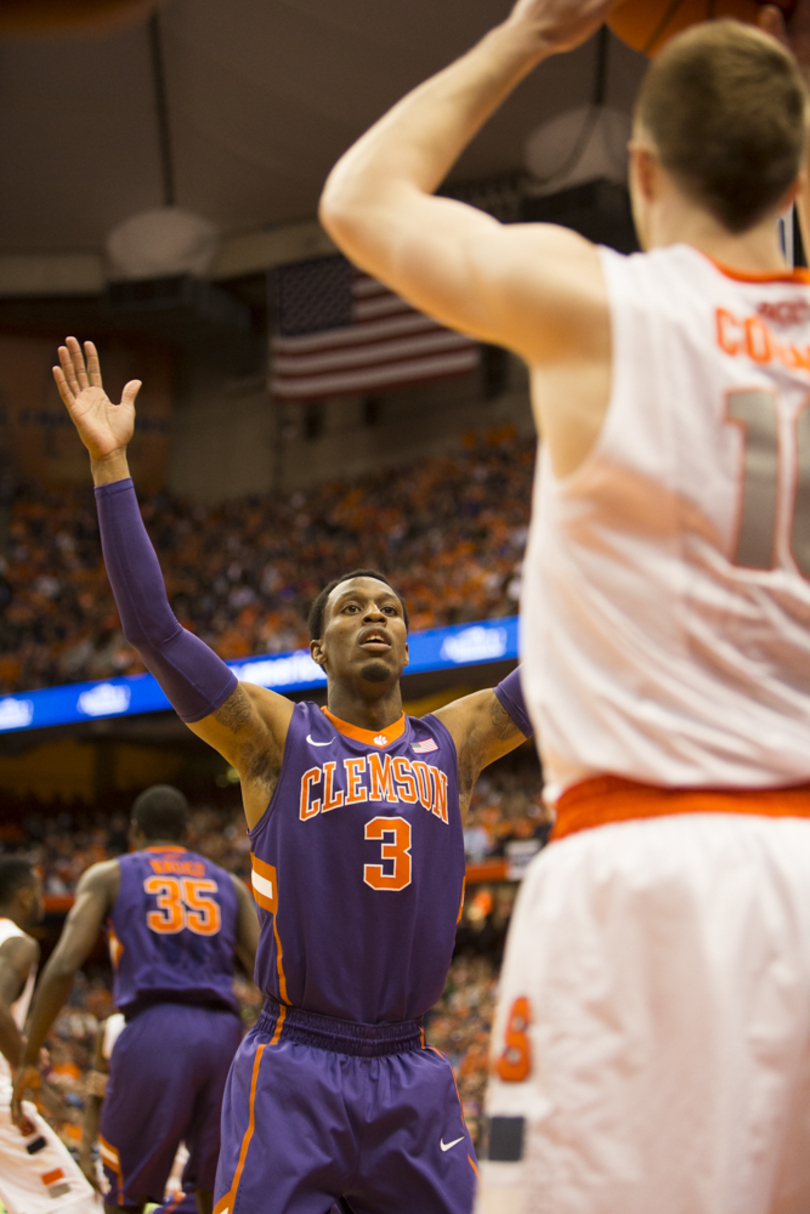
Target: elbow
{"points": [[336, 214]]}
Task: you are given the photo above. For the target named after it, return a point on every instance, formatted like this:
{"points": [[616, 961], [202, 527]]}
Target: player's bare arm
{"points": [[247, 926], [97, 1085], [250, 726], [95, 895], [536, 289], [483, 731], [17, 957]]}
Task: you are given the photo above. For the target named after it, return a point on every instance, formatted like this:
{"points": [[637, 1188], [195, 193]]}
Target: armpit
{"points": [[504, 727], [235, 713]]}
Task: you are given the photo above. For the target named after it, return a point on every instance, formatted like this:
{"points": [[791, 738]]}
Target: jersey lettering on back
{"points": [[172, 931]]}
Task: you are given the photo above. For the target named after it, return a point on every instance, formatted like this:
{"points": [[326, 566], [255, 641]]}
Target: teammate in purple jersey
{"points": [[175, 922], [355, 815]]}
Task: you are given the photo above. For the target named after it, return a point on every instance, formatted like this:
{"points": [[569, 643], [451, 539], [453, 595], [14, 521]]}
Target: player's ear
{"points": [[316, 653], [407, 654]]}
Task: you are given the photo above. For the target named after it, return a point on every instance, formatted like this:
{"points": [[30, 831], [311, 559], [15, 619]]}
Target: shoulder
{"points": [[19, 951], [554, 291], [102, 879], [429, 735]]}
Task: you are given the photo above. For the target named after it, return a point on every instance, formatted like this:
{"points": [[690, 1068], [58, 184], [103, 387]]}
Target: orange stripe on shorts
{"points": [[226, 1202]]}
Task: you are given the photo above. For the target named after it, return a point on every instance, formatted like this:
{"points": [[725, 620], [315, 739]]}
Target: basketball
{"points": [[647, 25]]}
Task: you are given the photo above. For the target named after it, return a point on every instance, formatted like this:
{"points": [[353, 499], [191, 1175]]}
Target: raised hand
{"points": [[562, 24], [104, 428]]}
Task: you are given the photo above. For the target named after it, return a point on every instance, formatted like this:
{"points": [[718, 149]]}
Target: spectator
{"points": [[454, 529]]}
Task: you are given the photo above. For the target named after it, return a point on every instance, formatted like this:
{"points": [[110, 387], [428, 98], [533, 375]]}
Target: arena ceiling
{"points": [[262, 97]]}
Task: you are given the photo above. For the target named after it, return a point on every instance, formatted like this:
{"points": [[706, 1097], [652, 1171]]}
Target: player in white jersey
{"points": [[652, 1043], [37, 1173]]}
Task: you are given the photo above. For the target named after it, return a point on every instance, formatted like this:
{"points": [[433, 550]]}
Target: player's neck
{"points": [[374, 714], [757, 251]]}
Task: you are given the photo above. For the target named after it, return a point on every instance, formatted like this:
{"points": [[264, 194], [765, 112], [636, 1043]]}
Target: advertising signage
{"points": [[432, 649]]}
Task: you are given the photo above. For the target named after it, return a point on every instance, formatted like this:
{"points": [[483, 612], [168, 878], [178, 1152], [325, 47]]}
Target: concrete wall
{"points": [[229, 439]]}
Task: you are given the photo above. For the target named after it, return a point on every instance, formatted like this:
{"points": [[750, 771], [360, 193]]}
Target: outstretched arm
{"points": [[17, 956], [248, 725], [247, 927], [485, 726], [529, 287], [95, 895]]}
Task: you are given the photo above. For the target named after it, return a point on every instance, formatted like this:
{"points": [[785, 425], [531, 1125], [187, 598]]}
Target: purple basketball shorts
{"points": [[318, 1109], [167, 1076]]}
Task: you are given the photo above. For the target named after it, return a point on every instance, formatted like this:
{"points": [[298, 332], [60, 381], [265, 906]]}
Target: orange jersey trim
{"points": [[372, 737], [226, 1203], [170, 847], [282, 1014], [605, 799], [798, 277]]}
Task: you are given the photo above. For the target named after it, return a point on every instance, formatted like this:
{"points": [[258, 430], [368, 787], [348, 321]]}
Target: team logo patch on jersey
{"points": [[424, 748], [380, 740]]}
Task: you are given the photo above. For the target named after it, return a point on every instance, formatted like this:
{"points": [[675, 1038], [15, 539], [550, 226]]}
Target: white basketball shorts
{"points": [[651, 1050], [37, 1172]]}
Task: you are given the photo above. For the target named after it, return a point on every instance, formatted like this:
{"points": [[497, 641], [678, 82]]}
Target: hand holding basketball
{"points": [[104, 428], [561, 25]]}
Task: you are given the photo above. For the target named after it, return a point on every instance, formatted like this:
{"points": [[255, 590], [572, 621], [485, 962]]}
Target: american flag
{"points": [[339, 332]]}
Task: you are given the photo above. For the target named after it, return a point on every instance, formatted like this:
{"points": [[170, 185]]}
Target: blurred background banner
{"points": [[339, 332], [288, 673]]}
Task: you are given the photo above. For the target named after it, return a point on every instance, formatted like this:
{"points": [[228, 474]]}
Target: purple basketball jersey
{"points": [[172, 931], [358, 868]]}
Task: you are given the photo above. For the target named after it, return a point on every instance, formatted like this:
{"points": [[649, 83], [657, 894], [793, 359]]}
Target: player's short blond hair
{"points": [[727, 109]]}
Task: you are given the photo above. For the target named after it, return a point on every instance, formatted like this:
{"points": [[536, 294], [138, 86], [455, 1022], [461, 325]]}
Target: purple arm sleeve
{"points": [[510, 694], [194, 679]]}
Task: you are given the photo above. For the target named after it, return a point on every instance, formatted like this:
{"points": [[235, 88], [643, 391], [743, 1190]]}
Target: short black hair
{"points": [[318, 608], [15, 873], [162, 813]]}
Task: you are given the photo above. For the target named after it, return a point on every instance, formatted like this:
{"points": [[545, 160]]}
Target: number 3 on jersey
{"points": [[395, 836], [183, 902]]}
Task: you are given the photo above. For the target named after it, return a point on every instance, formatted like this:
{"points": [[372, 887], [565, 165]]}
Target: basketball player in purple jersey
{"points": [[175, 921], [355, 815]]}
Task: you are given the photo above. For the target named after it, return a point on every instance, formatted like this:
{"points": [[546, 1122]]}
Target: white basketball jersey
{"points": [[666, 602], [19, 1010]]}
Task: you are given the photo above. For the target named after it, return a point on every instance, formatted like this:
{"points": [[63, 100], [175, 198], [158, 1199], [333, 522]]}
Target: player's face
{"points": [[364, 633]]}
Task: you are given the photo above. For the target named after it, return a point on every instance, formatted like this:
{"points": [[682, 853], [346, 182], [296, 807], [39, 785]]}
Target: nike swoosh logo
{"points": [[314, 743], [447, 1145]]}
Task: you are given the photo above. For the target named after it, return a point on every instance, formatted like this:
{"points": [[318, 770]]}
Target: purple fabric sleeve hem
{"points": [[510, 694], [196, 681]]}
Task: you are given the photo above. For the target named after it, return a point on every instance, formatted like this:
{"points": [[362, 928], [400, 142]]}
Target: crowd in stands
{"points": [[506, 806], [450, 532]]}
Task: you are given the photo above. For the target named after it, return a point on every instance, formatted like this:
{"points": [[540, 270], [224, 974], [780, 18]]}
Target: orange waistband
{"points": [[604, 799]]}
